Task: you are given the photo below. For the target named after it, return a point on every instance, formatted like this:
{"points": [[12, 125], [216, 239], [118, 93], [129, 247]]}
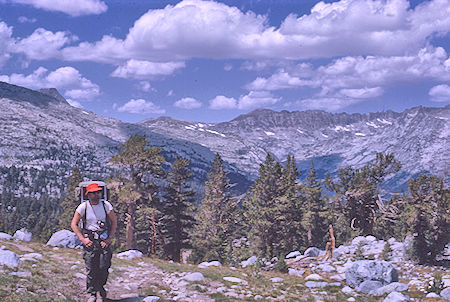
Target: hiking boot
{"points": [[92, 298], [102, 293]]}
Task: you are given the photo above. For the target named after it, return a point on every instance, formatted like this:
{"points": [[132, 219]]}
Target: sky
{"points": [[210, 61]]}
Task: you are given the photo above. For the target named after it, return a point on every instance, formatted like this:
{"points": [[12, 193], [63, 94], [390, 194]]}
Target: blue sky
{"points": [[210, 61]]}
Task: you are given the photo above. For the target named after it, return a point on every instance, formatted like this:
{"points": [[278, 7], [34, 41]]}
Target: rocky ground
{"points": [[32, 271]]}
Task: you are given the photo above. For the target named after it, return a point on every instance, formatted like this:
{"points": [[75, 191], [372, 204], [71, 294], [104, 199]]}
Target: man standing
{"points": [[99, 227]]}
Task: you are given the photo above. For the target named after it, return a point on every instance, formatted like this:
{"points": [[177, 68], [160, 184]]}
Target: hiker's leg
{"points": [[104, 265], [91, 258]]}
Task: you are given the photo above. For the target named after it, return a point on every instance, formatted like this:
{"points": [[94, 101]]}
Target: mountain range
{"points": [[40, 131]]}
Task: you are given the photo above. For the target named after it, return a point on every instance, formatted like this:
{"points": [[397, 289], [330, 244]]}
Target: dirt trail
{"points": [[126, 282]]}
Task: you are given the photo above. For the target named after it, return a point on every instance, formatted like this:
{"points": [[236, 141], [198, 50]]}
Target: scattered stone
{"points": [[351, 299], [5, 236], [296, 272], [293, 254], [130, 254], [65, 239], [368, 286], [80, 275], [445, 294], [250, 261], [194, 277], [389, 288], [396, 297], [348, 291], [22, 235], [258, 297], [208, 264], [313, 252], [340, 277], [432, 295], [326, 268], [321, 284], [9, 259], [276, 279], [314, 277], [151, 299], [235, 280], [21, 274], [363, 270]]}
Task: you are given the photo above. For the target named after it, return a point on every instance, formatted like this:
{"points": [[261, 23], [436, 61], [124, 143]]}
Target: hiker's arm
{"points": [[74, 225], [113, 219]]}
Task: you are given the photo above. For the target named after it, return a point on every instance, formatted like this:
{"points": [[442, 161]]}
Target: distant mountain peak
{"points": [[37, 98], [53, 92]]}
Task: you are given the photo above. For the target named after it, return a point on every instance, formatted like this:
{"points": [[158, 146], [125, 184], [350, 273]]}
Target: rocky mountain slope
{"points": [[419, 138], [40, 130], [43, 135]]}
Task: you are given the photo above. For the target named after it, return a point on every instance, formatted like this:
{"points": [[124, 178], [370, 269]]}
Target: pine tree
{"points": [[430, 222], [314, 219], [356, 200], [70, 201], [177, 218], [261, 209], [215, 220], [143, 164]]}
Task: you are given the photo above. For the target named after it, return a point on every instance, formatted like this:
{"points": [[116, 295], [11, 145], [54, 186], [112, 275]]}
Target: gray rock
{"points": [[368, 286], [9, 259], [130, 254], [432, 295], [21, 274], [5, 236], [208, 264], [313, 252], [293, 254], [311, 284], [276, 279], [396, 297], [151, 299], [65, 239], [389, 288], [235, 280], [445, 294], [22, 235], [363, 270], [314, 277], [250, 261], [348, 291], [326, 268], [194, 277], [296, 272]]}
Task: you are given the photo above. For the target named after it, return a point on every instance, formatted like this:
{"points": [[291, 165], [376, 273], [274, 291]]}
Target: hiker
{"points": [[99, 227], [331, 244]]}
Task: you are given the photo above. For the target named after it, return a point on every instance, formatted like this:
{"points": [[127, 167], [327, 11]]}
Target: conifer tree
{"points": [[177, 217], [215, 219], [430, 219], [70, 201], [356, 199], [143, 164], [261, 209], [290, 210], [314, 219]]}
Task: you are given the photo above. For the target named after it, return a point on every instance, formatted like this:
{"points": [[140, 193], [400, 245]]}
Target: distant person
{"points": [[331, 244], [99, 227]]}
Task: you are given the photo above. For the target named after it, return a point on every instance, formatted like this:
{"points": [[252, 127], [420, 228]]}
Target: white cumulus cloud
{"points": [[138, 69], [66, 78], [6, 42], [257, 99], [328, 104], [342, 28], [43, 44], [23, 19], [222, 102], [188, 103], [440, 93], [141, 106], [362, 93], [70, 7]]}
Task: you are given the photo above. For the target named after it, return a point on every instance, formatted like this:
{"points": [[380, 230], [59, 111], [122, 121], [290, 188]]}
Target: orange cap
{"points": [[92, 188]]}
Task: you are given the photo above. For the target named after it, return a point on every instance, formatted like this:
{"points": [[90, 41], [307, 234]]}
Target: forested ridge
{"points": [[160, 214]]}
